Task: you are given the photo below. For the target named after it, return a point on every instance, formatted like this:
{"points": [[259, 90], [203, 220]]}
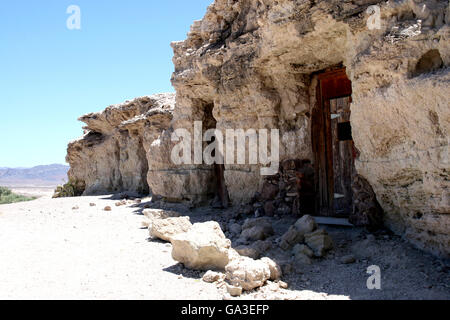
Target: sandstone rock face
{"points": [[203, 247], [251, 64], [112, 154]]}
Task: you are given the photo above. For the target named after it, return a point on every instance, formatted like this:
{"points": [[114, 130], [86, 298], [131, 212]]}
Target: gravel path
{"points": [[49, 251]]}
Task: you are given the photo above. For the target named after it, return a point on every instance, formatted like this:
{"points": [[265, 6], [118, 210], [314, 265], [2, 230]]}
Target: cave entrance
{"points": [[333, 146], [221, 197]]}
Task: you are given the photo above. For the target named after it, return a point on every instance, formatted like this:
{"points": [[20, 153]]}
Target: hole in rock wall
{"points": [[428, 63], [220, 194]]}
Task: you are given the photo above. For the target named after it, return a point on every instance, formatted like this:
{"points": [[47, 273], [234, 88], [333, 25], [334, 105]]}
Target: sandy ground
{"points": [[49, 249]]}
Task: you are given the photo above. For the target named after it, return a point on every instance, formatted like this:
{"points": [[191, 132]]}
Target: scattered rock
{"points": [[269, 191], [92, 204], [246, 210], [296, 233], [269, 209], [306, 224], [107, 208], [290, 238], [284, 210], [248, 251], [283, 285], [348, 259], [247, 273], [302, 249], [121, 203], [262, 246], [166, 229], [75, 208], [211, 276], [235, 228], [275, 269], [300, 260], [257, 229], [203, 247], [365, 249], [319, 241], [234, 291], [257, 233], [287, 268]]}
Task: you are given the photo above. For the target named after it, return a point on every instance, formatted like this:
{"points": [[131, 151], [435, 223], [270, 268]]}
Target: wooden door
{"points": [[332, 144], [343, 162]]}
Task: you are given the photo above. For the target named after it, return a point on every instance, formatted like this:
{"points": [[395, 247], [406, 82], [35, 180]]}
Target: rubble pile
{"points": [[291, 191]]}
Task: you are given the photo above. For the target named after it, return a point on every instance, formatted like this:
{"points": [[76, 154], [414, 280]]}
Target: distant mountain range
{"points": [[39, 176]]}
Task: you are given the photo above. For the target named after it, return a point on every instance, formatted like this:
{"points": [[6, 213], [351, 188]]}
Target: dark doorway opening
{"points": [[333, 146], [221, 197]]}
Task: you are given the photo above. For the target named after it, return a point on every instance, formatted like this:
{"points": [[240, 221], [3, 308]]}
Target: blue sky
{"points": [[50, 75]]}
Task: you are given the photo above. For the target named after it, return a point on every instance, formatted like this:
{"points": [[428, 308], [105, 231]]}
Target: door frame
{"points": [[331, 84]]}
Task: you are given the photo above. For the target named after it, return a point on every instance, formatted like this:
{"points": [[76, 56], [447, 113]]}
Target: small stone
{"points": [[246, 210], [348, 259], [107, 208], [319, 241], [259, 212], [234, 291], [302, 259], [247, 273], [275, 270], [121, 203], [235, 228], [302, 249], [92, 204], [248, 251], [306, 224], [284, 210], [257, 229], [269, 209], [211, 276], [287, 268], [75, 208], [262, 246], [283, 285]]}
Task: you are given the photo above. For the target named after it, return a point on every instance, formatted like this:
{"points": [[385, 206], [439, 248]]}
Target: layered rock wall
{"points": [[254, 63], [112, 156]]}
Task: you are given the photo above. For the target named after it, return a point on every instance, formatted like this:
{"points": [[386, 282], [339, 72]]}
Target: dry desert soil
{"points": [[70, 249]]}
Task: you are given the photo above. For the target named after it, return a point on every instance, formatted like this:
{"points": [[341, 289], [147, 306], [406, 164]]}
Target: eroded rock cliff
{"points": [[112, 154], [253, 64]]}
